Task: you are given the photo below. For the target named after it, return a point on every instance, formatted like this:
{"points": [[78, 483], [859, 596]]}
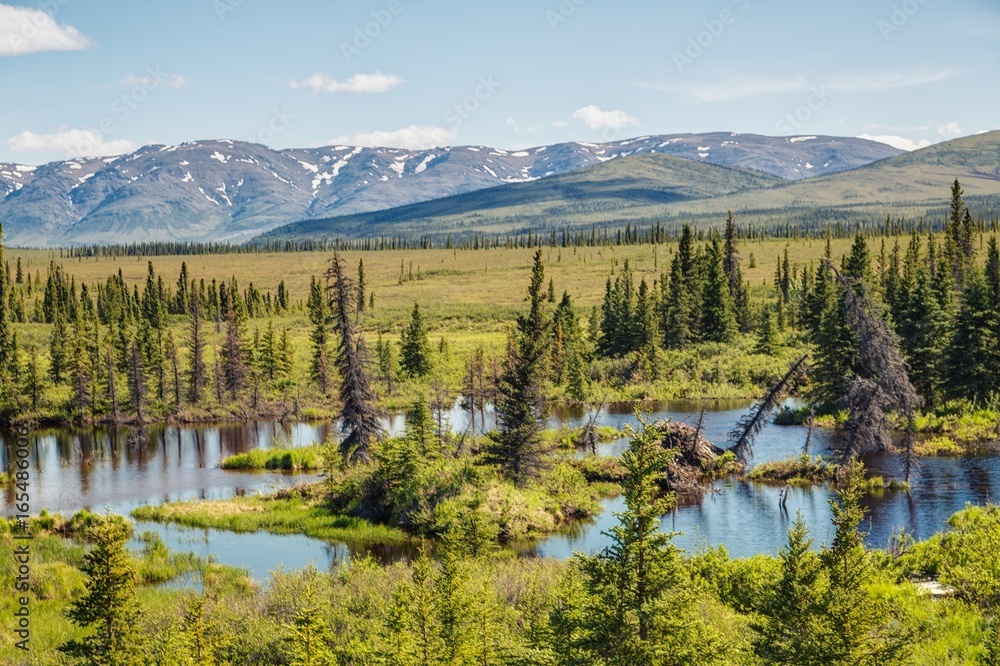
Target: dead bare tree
{"points": [[743, 436], [883, 384], [588, 437], [809, 433]]}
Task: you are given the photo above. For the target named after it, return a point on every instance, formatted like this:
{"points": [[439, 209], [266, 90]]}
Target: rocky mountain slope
{"points": [[231, 191]]}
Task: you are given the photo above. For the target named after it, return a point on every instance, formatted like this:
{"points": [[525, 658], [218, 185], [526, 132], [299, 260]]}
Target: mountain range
{"points": [[224, 190], [648, 189]]}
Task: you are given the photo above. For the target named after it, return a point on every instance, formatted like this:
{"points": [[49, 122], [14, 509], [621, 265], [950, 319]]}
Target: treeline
{"points": [[941, 298], [596, 236], [112, 352]]}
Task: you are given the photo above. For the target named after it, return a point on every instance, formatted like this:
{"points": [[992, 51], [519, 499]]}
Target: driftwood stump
{"points": [[693, 459]]}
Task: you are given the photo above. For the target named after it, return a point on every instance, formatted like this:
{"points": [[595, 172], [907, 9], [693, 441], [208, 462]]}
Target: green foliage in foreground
{"points": [[641, 601]]}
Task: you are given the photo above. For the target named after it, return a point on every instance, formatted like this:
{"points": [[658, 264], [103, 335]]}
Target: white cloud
{"points": [[359, 83], [174, 81], [25, 30], [72, 142], [512, 122], [950, 129], [897, 141], [596, 119], [416, 137]]}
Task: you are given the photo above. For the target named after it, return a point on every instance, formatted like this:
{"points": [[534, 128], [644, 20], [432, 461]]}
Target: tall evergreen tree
{"points": [[414, 346], [863, 629], [234, 361], [718, 324], [516, 445], [923, 336], [738, 291], [973, 359], [993, 271], [792, 629], [108, 608], [359, 417], [362, 285], [959, 247], [319, 316], [197, 374], [676, 309], [637, 610], [137, 381]]}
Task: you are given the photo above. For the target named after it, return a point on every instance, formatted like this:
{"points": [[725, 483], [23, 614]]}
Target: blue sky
{"points": [[101, 78]]}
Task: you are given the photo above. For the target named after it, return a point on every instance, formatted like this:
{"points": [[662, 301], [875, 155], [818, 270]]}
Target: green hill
{"points": [[603, 192], [659, 188]]}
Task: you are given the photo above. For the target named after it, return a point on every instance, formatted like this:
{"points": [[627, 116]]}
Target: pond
{"points": [[74, 468]]}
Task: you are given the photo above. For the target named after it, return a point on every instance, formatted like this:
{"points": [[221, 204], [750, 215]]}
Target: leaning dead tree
{"points": [[881, 385], [743, 436]]}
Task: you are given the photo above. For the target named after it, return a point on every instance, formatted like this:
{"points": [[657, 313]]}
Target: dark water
{"points": [[95, 468]]}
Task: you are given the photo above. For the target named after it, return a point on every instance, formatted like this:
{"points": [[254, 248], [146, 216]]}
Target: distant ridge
{"points": [[648, 189], [226, 190]]}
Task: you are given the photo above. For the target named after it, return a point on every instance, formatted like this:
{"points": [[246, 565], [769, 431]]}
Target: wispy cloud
{"points": [[359, 83], [890, 80], [174, 81], [731, 88], [739, 87], [76, 142], [596, 119], [26, 30], [415, 137]]}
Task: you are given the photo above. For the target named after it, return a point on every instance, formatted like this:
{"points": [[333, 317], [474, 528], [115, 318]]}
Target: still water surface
{"points": [[96, 468]]}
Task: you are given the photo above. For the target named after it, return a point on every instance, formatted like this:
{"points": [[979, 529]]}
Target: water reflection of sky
{"points": [[93, 468]]}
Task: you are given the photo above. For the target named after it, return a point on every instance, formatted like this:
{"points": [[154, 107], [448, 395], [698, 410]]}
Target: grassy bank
{"points": [[278, 515], [304, 459]]}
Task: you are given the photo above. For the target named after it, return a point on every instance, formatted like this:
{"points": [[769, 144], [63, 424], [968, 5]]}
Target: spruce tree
{"points": [[863, 629], [420, 428], [362, 285], [792, 629], [309, 634], [108, 608], [358, 416], [515, 445], [959, 248], [638, 611], [718, 324], [414, 346], [137, 382], [677, 308], [973, 359], [234, 365], [767, 333], [993, 271], [319, 316], [197, 374], [738, 291], [923, 337]]}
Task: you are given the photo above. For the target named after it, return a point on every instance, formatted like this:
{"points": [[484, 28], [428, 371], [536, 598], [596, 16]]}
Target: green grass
{"points": [[307, 458], [295, 515], [800, 470]]}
